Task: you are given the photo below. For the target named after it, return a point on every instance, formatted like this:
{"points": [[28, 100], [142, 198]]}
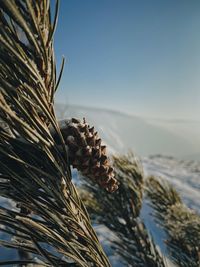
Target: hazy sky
{"points": [[137, 56]]}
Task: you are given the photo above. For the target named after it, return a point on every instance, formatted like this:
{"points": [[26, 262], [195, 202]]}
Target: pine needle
{"points": [[181, 223], [33, 173]]}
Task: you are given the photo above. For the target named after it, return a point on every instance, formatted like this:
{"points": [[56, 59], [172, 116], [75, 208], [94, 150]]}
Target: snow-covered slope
{"points": [[183, 174], [145, 137]]}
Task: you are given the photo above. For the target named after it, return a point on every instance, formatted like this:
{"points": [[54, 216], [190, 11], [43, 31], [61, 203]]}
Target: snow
{"points": [[183, 174]]}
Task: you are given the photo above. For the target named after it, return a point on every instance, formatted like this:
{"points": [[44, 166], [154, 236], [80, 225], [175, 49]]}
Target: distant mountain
{"points": [[122, 132]]}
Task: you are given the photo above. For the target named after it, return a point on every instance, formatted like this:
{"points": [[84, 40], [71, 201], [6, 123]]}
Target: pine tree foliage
{"points": [[181, 223], [119, 212], [50, 220]]}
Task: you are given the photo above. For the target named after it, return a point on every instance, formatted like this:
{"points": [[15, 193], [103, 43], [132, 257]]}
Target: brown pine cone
{"points": [[87, 154]]}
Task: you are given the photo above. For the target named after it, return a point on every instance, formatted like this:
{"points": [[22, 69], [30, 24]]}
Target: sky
{"points": [[141, 57]]}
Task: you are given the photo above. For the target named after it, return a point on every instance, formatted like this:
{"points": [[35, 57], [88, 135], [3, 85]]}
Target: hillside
{"points": [[146, 137]]}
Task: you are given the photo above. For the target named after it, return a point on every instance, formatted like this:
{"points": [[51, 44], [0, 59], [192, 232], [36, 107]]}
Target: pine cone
{"points": [[87, 154]]}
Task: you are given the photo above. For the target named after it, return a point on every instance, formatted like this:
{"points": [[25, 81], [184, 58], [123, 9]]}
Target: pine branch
{"points": [[181, 223], [33, 171], [119, 212]]}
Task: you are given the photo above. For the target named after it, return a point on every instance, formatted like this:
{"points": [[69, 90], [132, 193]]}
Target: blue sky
{"points": [[141, 57]]}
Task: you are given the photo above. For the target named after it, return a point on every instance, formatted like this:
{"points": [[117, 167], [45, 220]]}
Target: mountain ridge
{"points": [[123, 113], [123, 132]]}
